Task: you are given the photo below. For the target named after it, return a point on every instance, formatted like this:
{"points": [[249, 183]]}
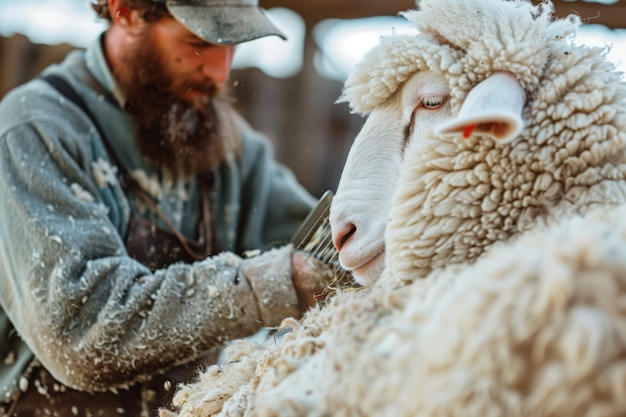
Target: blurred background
{"points": [[286, 89]]}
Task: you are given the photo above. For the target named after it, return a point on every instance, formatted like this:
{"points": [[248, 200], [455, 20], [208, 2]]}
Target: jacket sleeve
{"points": [[94, 317]]}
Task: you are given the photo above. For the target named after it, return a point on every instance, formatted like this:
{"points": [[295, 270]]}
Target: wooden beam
{"points": [[610, 15], [313, 11]]}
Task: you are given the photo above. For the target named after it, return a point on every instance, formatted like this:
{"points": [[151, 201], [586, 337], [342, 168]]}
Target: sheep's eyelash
{"points": [[433, 101]]}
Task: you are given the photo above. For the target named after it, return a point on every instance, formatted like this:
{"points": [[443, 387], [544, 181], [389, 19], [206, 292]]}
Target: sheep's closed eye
{"points": [[426, 104]]}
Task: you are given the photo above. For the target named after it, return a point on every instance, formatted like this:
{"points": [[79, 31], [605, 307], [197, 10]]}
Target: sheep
{"points": [[469, 193], [491, 250]]}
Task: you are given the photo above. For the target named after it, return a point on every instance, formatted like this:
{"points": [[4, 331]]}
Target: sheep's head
{"points": [[438, 173], [363, 200]]}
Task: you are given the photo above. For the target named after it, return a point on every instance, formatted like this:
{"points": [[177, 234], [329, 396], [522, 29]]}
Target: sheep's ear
{"points": [[493, 107]]}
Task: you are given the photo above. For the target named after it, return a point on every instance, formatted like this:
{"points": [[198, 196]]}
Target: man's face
{"points": [[194, 66], [174, 86]]}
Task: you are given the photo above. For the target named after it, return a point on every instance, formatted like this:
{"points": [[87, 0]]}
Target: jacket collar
{"points": [[99, 68]]}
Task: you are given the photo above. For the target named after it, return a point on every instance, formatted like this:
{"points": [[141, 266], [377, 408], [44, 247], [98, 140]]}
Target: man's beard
{"points": [[183, 139]]}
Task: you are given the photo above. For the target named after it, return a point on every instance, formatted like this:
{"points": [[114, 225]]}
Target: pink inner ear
{"points": [[467, 131]]}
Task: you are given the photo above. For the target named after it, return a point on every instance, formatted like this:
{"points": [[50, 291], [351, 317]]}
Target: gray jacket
{"points": [[69, 293]]}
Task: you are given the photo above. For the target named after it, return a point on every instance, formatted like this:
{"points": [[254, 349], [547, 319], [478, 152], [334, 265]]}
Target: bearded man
{"points": [[130, 190]]}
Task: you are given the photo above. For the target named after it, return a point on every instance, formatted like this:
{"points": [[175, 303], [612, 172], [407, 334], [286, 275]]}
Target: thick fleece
{"points": [[543, 334], [522, 247]]}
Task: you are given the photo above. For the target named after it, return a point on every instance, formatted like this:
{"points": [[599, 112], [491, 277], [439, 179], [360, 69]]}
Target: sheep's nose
{"points": [[341, 237]]}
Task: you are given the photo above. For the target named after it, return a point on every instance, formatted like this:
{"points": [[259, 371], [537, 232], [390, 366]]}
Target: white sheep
{"points": [[535, 325], [464, 194]]}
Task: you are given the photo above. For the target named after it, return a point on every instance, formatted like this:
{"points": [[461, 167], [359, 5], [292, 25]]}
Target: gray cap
{"points": [[223, 22]]}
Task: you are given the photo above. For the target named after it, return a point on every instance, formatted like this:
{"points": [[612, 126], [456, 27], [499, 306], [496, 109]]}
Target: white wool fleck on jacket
{"points": [[521, 246]]}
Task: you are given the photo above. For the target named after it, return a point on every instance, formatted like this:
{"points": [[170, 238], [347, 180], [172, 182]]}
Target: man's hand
{"points": [[310, 278], [286, 283]]}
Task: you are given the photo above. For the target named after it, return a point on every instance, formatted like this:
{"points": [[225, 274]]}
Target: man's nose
{"points": [[217, 63]]}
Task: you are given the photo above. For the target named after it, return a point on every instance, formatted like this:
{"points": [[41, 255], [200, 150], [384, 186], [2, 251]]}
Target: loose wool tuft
{"points": [[505, 284]]}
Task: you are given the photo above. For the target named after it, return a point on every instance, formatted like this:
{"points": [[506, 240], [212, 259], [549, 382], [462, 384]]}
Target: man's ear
{"points": [[123, 15]]}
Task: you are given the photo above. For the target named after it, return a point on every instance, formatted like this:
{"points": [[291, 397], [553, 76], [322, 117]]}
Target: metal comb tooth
{"points": [[314, 237]]}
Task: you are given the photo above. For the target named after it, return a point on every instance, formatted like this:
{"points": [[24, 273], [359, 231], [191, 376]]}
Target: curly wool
{"points": [[455, 197], [536, 335], [524, 41], [461, 196], [530, 326]]}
